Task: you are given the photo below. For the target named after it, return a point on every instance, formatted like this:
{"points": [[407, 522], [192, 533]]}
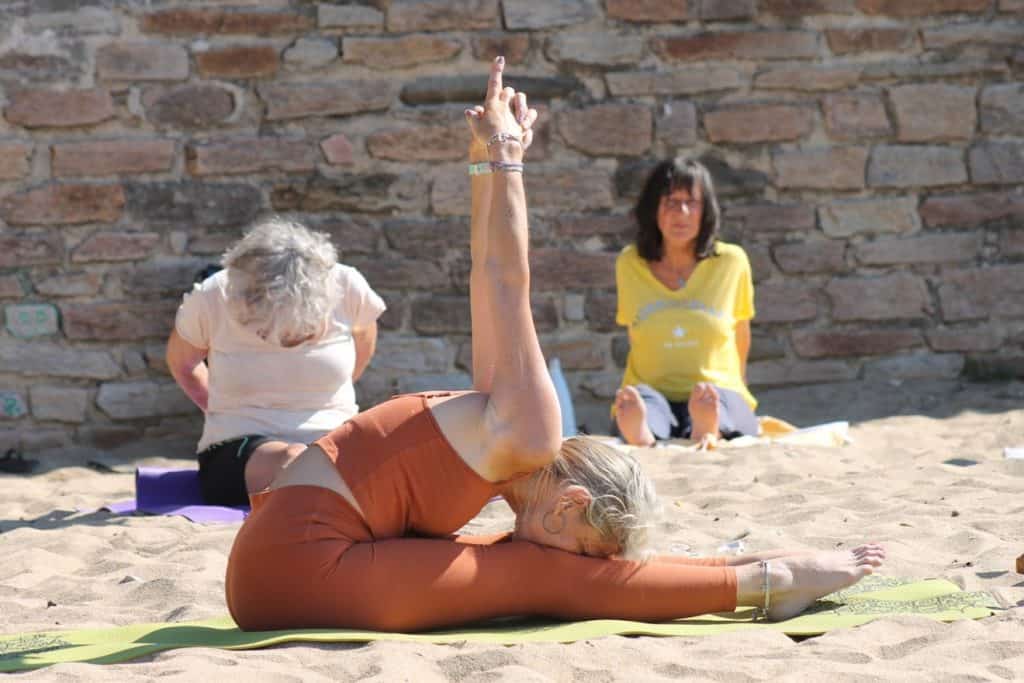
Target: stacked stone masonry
{"points": [[869, 155]]}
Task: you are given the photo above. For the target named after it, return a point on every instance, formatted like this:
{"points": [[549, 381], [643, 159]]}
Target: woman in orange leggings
{"points": [[356, 532]]}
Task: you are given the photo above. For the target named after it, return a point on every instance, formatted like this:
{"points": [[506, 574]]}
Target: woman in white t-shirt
{"points": [[285, 330]]}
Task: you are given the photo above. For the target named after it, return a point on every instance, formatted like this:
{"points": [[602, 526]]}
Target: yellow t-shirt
{"points": [[678, 338]]}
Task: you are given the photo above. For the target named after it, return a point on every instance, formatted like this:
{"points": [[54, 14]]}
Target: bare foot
{"points": [[703, 407], [631, 417], [797, 582]]}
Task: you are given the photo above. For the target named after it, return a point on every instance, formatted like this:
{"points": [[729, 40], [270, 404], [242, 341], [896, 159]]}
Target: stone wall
{"points": [[869, 154]]}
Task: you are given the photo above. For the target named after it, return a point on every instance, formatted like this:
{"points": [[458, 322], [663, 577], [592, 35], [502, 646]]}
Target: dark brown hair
{"points": [[667, 176]]}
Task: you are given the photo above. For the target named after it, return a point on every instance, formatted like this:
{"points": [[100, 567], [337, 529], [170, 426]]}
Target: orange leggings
{"points": [[305, 559]]}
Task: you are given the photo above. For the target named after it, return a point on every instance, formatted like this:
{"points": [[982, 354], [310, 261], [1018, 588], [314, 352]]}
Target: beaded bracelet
{"points": [[506, 167], [504, 137], [761, 613], [480, 168]]}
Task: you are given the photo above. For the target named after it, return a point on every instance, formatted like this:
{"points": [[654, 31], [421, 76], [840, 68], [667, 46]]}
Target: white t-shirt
{"points": [[298, 393]]}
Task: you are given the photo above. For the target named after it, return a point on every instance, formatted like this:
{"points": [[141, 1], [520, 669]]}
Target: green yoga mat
{"points": [[872, 598]]}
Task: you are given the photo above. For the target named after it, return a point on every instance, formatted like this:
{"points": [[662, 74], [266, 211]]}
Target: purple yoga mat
{"points": [[163, 491]]}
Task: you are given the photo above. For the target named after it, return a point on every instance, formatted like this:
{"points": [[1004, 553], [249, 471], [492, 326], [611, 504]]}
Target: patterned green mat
{"points": [[870, 599]]}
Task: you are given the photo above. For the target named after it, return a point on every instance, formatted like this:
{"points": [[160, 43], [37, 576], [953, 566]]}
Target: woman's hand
{"points": [[503, 111]]}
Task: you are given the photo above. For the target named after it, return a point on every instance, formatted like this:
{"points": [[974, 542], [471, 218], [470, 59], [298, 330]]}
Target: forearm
{"points": [[195, 382], [481, 310], [743, 346], [507, 260]]}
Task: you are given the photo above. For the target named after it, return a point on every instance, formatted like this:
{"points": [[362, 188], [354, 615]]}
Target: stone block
{"points": [[252, 155], [349, 235], [196, 105], [844, 41], [115, 246], [920, 365], [372, 192], [420, 143], [891, 297], [580, 227], [982, 33], [727, 10], [808, 77], [63, 283], [118, 321], [933, 112], [767, 345], [310, 53], [11, 287], [981, 293], [997, 162], [299, 100], [608, 129], [853, 116], [972, 210], [191, 21], [406, 16], [708, 78], [822, 168], [50, 360], [599, 308], [15, 159], [413, 354], [772, 373], [18, 251], [25, 321], [354, 18], [112, 157], [921, 8], [61, 404], [554, 269], [142, 399], [739, 45], [337, 150], [758, 122], [649, 11], [596, 49], [761, 266], [451, 381], [442, 315], [36, 108], [471, 89], [942, 248], [840, 343], [1002, 109], [402, 273], [68, 204], [572, 308], [818, 256], [197, 205], [733, 179], [449, 193], [869, 216], [238, 61], [399, 53], [676, 125], [784, 303], [916, 69], [763, 217], [12, 405], [569, 189], [84, 21], [973, 338], [915, 166], [1011, 242], [576, 352], [165, 277], [428, 239], [133, 61], [545, 14], [514, 47], [801, 8]]}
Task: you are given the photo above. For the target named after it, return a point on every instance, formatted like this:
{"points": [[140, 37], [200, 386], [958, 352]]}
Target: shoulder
{"points": [[213, 288], [730, 255], [629, 257]]}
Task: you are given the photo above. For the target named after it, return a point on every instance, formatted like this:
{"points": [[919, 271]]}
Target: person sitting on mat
{"points": [[687, 299], [286, 330], [356, 531]]}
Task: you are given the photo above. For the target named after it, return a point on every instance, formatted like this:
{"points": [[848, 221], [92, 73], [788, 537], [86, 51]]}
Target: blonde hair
{"points": [[280, 280], [623, 504]]}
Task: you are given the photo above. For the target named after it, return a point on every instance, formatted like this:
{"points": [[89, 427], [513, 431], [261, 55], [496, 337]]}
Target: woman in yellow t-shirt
{"points": [[687, 300]]}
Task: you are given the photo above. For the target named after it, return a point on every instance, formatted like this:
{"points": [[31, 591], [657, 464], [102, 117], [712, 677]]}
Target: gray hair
{"points": [[280, 280], [623, 504]]}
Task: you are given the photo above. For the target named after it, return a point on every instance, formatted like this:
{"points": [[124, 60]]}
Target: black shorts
{"points": [[222, 469], [671, 419]]}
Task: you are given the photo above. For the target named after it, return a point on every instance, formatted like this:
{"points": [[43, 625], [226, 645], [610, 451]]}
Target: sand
{"points": [[926, 475]]}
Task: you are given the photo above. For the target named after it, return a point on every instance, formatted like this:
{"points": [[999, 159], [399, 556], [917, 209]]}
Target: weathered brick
{"points": [[770, 217], [115, 246], [58, 109], [140, 399], [298, 100], [844, 41], [599, 309], [676, 125], [561, 269], [921, 8], [107, 436], [761, 265], [310, 53], [677, 81], [972, 338], [733, 179], [920, 365], [15, 158], [608, 129], [399, 53], [830, 168], [196, 105], [471, 89], [942, 248], [51, 360], [165, 277], [868, 216], [31, 320], [354, 18], [727, 10], [449, 192], [64, 205], [728, 45], [1002, 109], [514, 47], [62, 404], [648, 11], [781, 303], [982, 293], [972, 210], [997, 162], [758, 123], [852, 116], [587, 352], [420, 143], [85, 21], [337, 150], [1011, 242], [402, 273], [442, 315], [818, 256], [17, 251], [956, 35], [238, 61], [933, 112], [18, 64], [197, 205], [449, 381], [800, 8], [428, 239], [545, 14], [619, 226], [916, 69], [11, 287], [915, 166], [1011, 5], [412, 354], [349, 234], [118, 321], [891, 297], [596, 49], [112, 157], [837, 343], [405, 16], [252, 155], [810, 77], [373, 192], [189, 21], [142, 62], [68, 283], [766, 345], [771, 373], [569, 189]]}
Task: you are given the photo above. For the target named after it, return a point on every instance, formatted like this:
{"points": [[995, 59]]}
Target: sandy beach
{"points": [[925, 474]]}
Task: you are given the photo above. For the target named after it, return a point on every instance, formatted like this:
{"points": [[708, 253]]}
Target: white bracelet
{"points": [[480, 168]]}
